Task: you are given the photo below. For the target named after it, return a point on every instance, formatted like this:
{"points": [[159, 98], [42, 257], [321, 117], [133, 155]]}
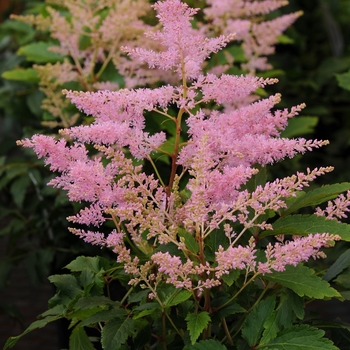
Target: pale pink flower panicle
{"points": [[185, 48], [336, 209], [213, 152], [301, 249]]}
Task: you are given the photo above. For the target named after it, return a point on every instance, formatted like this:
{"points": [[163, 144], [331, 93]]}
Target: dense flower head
{"points": [[246, 19], [186, 48], [212, 152]]}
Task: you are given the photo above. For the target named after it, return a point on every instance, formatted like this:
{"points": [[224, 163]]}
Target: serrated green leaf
{"points": [[270, 328], [196, 323], [339, 265], [303, 282], [209, 344], [82, 314], [28, 75], [254, 323], [79, 340], [67, 285], [38, 52], [299, 126], [85, 262], [300, 338], [116, 332], [58, 310], [104, 316], [318, 196], [303, 225]]}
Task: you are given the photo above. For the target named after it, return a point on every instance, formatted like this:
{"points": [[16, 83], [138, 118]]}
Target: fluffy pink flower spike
{"points": [[217, 157]]}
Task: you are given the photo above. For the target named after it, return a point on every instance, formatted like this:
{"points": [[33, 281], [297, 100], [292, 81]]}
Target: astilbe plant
{"points": [[206, 252]]}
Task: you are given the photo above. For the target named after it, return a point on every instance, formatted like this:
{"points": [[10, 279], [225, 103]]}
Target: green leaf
{"points": [[237, 52], [344, 80], [254, 323], [78, 340], [90, 302], [209, 344], [82, 263], [66, 284], [343, 280], [58, 310], [231, 277], [38, 52], [28, 75], [116, 332], [179, 296], [104, 316], [299, 126], [35, 325], [340, 264], [300, 338], [303, 225], [18, 189], [228, 310], [196, 323], [190, 241], [303, 282], [284, 39], [270, 328], [318, 196], [146, 313]]}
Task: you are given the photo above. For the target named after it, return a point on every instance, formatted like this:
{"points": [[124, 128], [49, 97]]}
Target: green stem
{"points": [[227, 332], [260, 297], [176, 150], [240, 291], [172, 323], [105, 63], [252, 307], [163, 330], [156, 170], [127, 294]]}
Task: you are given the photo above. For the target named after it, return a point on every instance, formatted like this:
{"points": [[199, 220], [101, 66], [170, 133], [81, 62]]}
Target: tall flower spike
{"points": [[185, 48], [210, 164]]}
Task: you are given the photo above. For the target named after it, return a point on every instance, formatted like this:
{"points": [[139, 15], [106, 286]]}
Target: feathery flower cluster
{"points": [[246, 19], [212, 153], [293, 252], [336, 209]]}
